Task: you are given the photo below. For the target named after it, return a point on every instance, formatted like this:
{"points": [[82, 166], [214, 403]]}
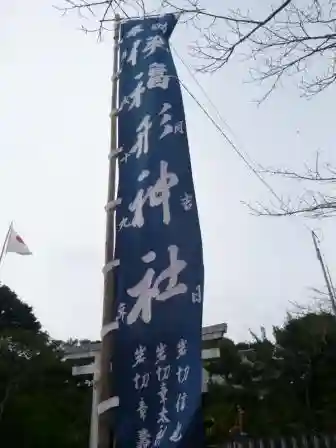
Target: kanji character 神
{"points": [[157, 194]]}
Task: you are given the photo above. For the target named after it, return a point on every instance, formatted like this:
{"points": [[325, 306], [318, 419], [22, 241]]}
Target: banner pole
{"points": [[327, 279], [105, 381], [4, 246]]}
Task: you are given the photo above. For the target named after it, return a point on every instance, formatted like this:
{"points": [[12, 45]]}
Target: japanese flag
{"points": [[16, 244]]}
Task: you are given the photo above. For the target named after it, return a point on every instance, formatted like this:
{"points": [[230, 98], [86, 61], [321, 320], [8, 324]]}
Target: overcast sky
{"points": [[54, 137]]}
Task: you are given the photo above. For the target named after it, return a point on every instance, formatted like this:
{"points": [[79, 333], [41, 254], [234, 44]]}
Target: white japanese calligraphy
{"points": [[168, 128], [178, 128], [163, 373], [186, 202], [142, 409], [177, 435], [144, 439], [181, 402], [160, 27], [121, 312], [165, 108], [139, 355], [157, 76], [136, 96], [161, 354], [133, 32], [143, 175], [123, 56], [141, 145], [123, 103], [160, 435], [125, 157], [141, 381], [196, 297], [182, 374], [123, 224], [157, 194], [166, 118], [148, 289], [163, 416], [163, 393], [133, 56], [181, 348], [152, 44]]}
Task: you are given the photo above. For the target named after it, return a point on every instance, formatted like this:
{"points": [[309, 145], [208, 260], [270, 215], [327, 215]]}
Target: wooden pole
{"points": [[325, 274], [94, 404], [4, 246], [105, 381]]}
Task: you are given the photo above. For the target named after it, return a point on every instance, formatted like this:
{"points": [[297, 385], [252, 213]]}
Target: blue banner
{"points": [[157, 368]]}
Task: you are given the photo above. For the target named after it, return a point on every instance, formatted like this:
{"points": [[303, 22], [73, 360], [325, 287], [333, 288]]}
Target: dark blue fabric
{"points": [[167, 334]]}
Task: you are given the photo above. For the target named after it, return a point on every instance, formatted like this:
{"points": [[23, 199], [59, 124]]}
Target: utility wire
{"points": [[231, 143], [249, 163], [233, 146], [215, 108]]}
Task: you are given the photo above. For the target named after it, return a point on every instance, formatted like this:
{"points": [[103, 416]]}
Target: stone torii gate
{"points": [[86, 361]]}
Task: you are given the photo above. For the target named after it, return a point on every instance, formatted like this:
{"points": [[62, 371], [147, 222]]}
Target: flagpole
{"points": [[105, 382], [331, 291], [4, 246]]}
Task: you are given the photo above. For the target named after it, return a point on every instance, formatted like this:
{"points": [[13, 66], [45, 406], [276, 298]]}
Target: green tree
{"points": [[41, 403], [284, 387], [15, 314], [309, 367]]}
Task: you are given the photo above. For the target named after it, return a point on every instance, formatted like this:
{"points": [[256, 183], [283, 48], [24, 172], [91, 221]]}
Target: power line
{"points": [[231, 143], [233, 146], [249, 163], [191, 73], [243, 157]]}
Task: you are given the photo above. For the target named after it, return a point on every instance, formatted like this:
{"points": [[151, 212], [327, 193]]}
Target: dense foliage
{"points": [[41, 403], [286, 386]]}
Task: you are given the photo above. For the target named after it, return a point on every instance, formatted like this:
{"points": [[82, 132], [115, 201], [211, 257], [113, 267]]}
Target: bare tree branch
{"points": [[103, 11], [312, 203], [320, 303], [288, 40], [196, 12], [283, 39], [244, 37]]}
